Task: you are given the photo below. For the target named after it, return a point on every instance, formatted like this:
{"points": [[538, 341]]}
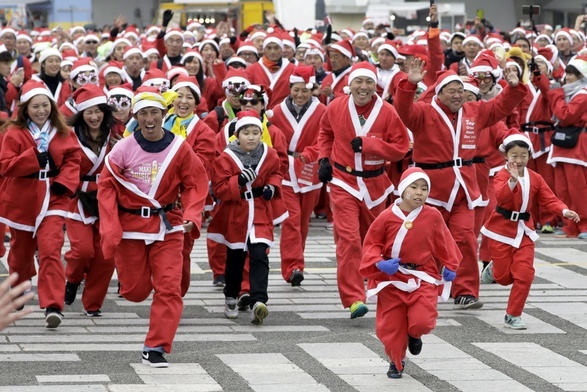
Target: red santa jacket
{"points": [[572, 113], [240, 219], [278, 82], [336, 83], [62, 93], [536, 109], [384, 138], [385, 89], [24, 202], [302, 138], [419, 237], [181, 173], [530, 189], [437, 140]]}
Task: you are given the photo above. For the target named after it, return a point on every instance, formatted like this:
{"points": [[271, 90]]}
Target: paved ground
{"points": [[308, 343]]}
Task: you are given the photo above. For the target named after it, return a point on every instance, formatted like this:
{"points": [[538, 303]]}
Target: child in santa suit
{"points": [[510, 228], [245, 177], [403, 250]]}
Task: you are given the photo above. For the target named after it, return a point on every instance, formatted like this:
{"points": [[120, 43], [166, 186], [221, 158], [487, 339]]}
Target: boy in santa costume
{"points": [[245, 177], [402, 251], [445, 139], [142, 226], [510, 228], [358, 134]]}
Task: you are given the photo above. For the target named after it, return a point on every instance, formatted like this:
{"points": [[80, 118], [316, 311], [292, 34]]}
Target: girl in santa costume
{"points": [[183, 122], [39, 161], [211, 87], [402, 252], [142, 226], [510, 228], [92, 125], [245, 177], [298, 116]]}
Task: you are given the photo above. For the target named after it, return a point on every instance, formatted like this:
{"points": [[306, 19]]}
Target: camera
{"points": [[531, 10]]}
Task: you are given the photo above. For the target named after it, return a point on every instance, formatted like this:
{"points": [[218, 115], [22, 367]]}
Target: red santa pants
{"points": [[484, 251], [48, 241], [142, 268], [294, 230], [85, 258], [352, 219], [514, 266], [400, 314], [571, 188], [546, 170], [461, 221], [2, 234]]}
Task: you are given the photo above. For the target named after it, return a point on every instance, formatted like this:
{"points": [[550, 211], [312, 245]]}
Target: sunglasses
{"points": [[92, 42], [83, 79], [253, 101], [482, 75], [122, 103]]}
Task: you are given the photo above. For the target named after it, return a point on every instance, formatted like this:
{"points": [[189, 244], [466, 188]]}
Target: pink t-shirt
{"points": [[138, 166]]}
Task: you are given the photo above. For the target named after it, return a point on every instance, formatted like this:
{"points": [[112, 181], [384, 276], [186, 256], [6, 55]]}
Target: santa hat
{"points": [[258, 34], [155, 77], [187, 81], [124, 89], [486, 62], [304, 74], [24, 35], [211, 42], [148, 97], [83, 64], [45, 54], [457, 34], [315, 39], [546, 55], [314, 51], [176, 71], [518, 30], [516, 137], [566, 32], [87, 96], [446, 78], [471, 87], [153, 29], [247, 47], [493, 38], [475, 39], [260, 91], [377, 41], [410, 176], [8, 30], [367, 20], [193, 25], [580, 63], [68, 45], [273, 38], [512, 63], [129, 51], [33, 88], [92, 37], [173, 32], [391, 47], [346, 48], [288, 40], [77, 28], [349, 32], [131, 31], [247, 118], [445, 36], [223, 40], [360, 34], [236, 60], [361, 69], [235, 76]]}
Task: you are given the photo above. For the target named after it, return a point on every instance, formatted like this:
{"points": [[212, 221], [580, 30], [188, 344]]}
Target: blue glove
{"points": [[448, 275], [390, 266]]}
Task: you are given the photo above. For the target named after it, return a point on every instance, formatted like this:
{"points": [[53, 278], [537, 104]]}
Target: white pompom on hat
{"points": [[304, 74]]}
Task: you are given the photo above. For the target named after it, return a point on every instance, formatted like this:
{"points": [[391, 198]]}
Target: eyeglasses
{"points": [[483, 76], [122, 103], [83, 79], [253, 101], [92, 42]]}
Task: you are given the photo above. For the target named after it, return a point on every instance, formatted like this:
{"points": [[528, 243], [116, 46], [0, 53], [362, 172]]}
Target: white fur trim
{"points": [[413, 177], [248, 121], [191, 85], [342, 50], [361, 72], [274, 40], [90, 102], [447, 80]]}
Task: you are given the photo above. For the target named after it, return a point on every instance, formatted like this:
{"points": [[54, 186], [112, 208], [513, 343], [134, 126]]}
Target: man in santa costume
{"points": [[169, 44], [358, 133], [402, 250], [298, 117], [272, 70], [142, 226], [445, 139], [133, 66], [341, 56], [388, 72]]}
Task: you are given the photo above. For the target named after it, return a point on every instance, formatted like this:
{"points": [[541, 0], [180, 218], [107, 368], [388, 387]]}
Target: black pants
{"points": [[258, 273]]}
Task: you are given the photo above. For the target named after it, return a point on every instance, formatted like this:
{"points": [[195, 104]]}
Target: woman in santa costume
{"points": [[245, 178], [50, 74], [142, 226], [234, 84], [510, 228], [210, 86], [299, 118], [39, 161], [446, 135], [568, 105], [201, 138], [402, 252], [358, 134], [92, 125]]}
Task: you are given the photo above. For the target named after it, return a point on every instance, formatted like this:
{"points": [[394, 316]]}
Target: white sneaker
{"points": [[487, 274], [514, 322], [230, 309], [259, 314]]}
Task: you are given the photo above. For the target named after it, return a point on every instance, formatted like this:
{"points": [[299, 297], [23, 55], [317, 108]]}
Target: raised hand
{"points": [[511, 77], [512, 168], [416, 71]]}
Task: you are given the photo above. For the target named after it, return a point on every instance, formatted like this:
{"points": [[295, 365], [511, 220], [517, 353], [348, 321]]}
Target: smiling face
{"points": [[113, 79], [386, 59], [415, 195], [362, 89], [93, 117], [518, 155], [185, 103], [192, 65], [300, 93], [208, 53], [150, 122], [39, 109], [51, 65], [249, 137], [452, 95]]}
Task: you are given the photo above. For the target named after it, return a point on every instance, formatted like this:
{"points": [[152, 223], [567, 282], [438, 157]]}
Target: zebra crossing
{"points": [[308, 342]]}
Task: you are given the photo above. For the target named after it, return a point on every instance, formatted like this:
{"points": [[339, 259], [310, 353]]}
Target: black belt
{"points": [[146, 212], [356, 173], [88, 177], [253, 193], [478, 159], [455, 162], [409, 266], [43, 174], [292, 153], [539, 128], [514, 216]]}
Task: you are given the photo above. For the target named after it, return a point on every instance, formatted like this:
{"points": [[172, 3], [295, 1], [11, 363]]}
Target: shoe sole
{"points": [[53, 321], [243, 304], [261, 313], [394, 376], [360, 312], [474, 305], [297, 280], [516, 328], [156, 365]]}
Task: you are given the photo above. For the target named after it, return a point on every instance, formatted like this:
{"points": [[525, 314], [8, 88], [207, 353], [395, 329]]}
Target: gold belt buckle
{"points": [[349, 169]]}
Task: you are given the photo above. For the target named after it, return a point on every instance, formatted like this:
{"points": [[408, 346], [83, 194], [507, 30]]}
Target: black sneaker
{"points": [[393, 372], [52, 317], [154, 359], [244, 301], [118, 291], [70, 292], [296, 277], [414, 345], [219, 281], [468, 302], [94, 313]]}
